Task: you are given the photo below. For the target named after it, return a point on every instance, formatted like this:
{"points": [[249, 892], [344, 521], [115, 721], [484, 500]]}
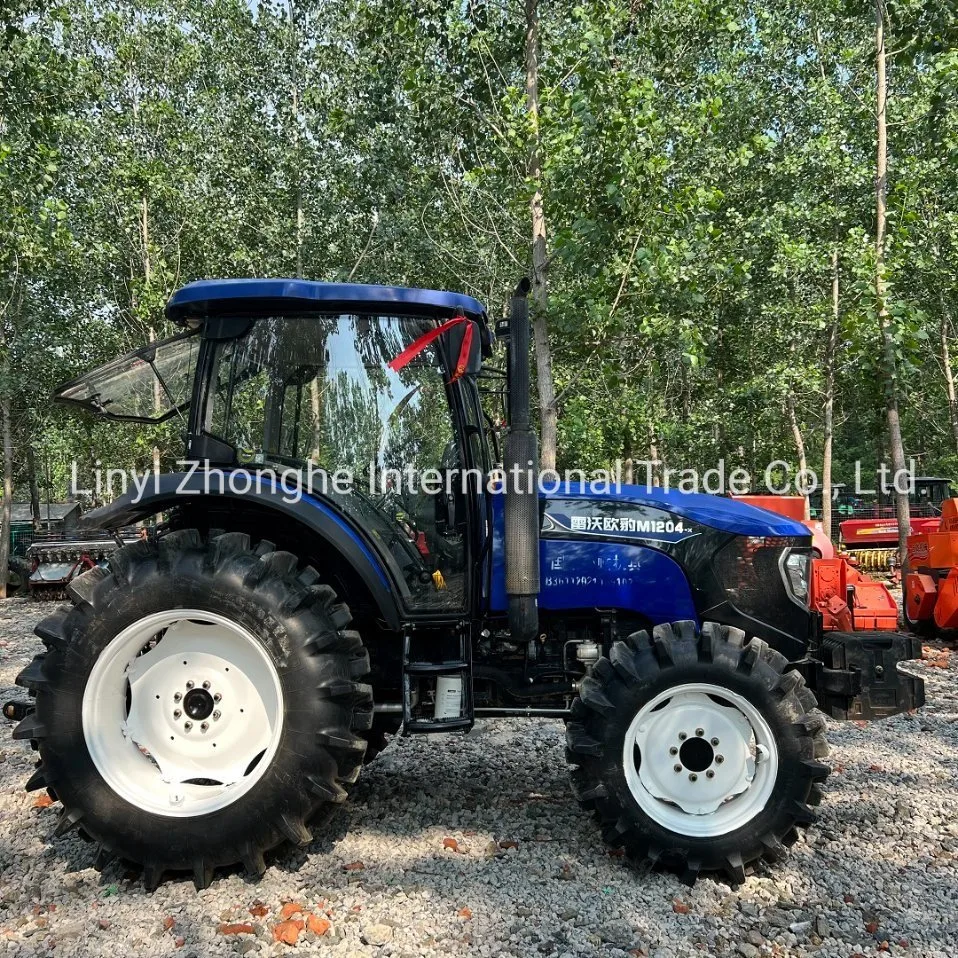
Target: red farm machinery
{"points": [[868, 529], [847, 599], [930, 592]]}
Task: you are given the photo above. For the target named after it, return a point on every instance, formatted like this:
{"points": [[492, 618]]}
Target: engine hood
{"points": [[727, 515]]}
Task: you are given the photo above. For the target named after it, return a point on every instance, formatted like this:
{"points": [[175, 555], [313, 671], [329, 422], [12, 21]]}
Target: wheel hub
{"points": [[182, 712], [700, 759], [198, 704], [696, 754]]}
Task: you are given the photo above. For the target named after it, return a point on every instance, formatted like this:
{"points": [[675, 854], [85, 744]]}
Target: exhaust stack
{"points": [[521, 459]]}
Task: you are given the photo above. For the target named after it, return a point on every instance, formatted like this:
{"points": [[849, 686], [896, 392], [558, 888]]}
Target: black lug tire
{"points": [[326, 710], [926, 628], [18, 577], [640, 668]]}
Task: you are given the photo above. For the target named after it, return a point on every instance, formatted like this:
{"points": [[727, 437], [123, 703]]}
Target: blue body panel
{"points": [[580, 573], [347, 529], [729, 515], [584, 575], [257, 296]]}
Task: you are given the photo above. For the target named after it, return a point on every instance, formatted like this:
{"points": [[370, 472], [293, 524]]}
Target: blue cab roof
{"points": [[265, 297]]}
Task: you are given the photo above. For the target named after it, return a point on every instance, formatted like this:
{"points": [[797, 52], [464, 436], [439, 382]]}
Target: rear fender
{"points": [[191, 489]]}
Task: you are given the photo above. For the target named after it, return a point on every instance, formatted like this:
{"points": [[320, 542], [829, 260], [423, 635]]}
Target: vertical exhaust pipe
{"points": [[521, 463]]}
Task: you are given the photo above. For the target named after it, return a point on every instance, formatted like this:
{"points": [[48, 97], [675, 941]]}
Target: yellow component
{"points": [[874, 560], [438, 581]]}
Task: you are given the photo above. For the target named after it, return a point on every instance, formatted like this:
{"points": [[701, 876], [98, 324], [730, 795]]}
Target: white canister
{"points": [[448, 697]]}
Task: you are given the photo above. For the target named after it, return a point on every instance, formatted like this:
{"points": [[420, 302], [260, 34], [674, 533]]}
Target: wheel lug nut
{"points": [[715, 741], [204, 726], [216, 715], [206, 685], [682, 736], [176, 713], [677, 768], [693, 777], [216, 696], [673, 751], [719, 759], [700, 732], [189, 685], [177, 696], [187, 725], [710, 774]]}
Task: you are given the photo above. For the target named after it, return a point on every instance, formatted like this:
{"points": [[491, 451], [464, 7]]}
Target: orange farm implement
{"points": [[848, 599], [931, 585]]}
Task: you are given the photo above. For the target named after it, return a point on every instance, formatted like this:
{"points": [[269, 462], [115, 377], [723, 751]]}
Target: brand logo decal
{"points": [[659, 526], [624, 524]]}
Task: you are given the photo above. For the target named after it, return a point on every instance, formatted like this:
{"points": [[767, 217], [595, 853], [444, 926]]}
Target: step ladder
{"points": [[417, 666]]}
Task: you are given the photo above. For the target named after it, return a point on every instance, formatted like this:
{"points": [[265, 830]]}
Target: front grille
{"points": [[749, 570]]}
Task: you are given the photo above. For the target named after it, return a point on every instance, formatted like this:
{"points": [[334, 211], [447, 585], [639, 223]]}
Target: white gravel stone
{"points": [[885, 851]]}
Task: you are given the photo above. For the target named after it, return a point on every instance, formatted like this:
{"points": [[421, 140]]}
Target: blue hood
{"points": [[729, 515]]}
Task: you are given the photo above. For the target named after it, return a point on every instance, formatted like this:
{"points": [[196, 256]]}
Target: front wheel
{"points": [[197, 704], [697, 752]]}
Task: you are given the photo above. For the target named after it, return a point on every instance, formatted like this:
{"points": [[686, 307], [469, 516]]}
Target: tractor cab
{"points": [[364, 395]]}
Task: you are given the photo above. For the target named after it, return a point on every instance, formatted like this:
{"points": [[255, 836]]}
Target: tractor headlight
{"points": [[795, 569]]}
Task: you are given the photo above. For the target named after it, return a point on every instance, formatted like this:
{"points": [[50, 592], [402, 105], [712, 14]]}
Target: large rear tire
{"points": [[197, 705], [697, 752]]}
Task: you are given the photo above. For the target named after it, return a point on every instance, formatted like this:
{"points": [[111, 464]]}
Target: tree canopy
{"points": [[706, 171]]}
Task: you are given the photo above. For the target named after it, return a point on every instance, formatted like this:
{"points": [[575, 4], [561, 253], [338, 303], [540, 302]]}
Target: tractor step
{"points": [[437, 668], [418, 666]]}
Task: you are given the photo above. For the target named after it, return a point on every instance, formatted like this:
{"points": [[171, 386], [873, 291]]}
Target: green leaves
{"points": [[702, 161]]}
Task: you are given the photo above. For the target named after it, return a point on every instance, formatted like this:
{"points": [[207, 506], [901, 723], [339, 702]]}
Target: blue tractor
{"points": [[333, 564]]}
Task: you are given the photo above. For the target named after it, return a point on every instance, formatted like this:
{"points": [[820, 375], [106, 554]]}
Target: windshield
{"points": [[150, 384], [318, 391]]}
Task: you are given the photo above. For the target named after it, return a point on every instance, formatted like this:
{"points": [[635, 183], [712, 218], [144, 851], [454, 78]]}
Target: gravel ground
{"points": [[527, 873]]}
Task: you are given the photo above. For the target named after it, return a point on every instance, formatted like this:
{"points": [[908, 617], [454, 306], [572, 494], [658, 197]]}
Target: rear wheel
{"points": [[197, 705], [698, 753]]}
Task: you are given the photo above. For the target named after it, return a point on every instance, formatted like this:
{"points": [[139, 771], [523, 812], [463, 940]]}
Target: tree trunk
{"points": [[145, 239], [889, 362], [949, 374], [655, 469], [548, 414], [628, 462], [829, 416], [799, 444], [718, 434], [298, 189], [300, 215], [7, 512], [315, 402], [34, 485]]}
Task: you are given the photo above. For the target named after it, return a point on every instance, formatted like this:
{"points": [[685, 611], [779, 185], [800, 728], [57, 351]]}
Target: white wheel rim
{"points": [[183, 712], [700, 760]]}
